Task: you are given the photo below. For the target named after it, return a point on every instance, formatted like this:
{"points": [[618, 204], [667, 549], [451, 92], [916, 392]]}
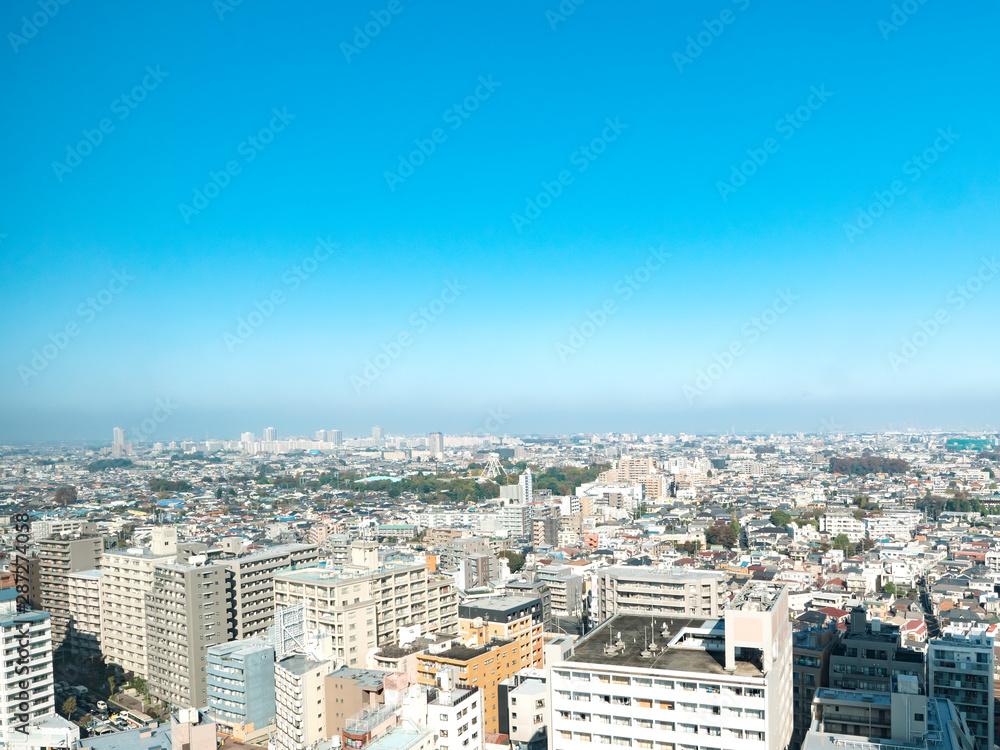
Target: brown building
{"points": [[349, 691]]}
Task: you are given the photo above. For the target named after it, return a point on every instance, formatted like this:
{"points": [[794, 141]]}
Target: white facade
{"points": [[837, 523], [26, 691]]}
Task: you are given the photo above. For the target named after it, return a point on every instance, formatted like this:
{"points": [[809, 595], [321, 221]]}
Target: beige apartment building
{"points": [[250, 584]]}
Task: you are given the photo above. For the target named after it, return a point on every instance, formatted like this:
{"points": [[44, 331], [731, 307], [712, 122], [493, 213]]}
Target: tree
{"points": [[65, 495], [735, 526], [890, 588], [86, 719], [140, 685], [720, 534], [218, 493], [515, 559], [69, 707], [780, 518], [111, 685]]}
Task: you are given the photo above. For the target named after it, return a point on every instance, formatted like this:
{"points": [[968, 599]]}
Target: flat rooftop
{"points": [[634, 630]]}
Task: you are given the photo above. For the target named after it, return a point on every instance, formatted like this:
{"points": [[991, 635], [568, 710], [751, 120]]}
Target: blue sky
{"points": [[865, 94]]}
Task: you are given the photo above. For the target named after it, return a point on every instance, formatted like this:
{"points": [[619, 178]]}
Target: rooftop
{"points": [[705, 655]]}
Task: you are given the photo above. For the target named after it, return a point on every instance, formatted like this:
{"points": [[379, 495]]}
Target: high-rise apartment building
{"points": [[119, 441], [127, 576], [27, 655], [365, 603], [186, 613], [525, 492], [516, 520], [655, 683], [868, 656], [665, 593], [250, 585], [241, 688], [270, 434], [299, 700], [336, 437], [960, 669], [435, 443], [57, 559], [376, 432], [83, 632]]}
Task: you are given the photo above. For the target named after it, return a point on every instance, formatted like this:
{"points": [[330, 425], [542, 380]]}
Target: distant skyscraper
{"points": [[435, 442], [118, 442], [270, 434], [321, 435], [377, 432], [247, 437], [336, 437]]}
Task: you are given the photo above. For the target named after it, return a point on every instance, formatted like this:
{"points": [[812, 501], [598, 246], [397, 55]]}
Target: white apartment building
{"points": [[655, 683], [659, 591], [842, 523], [46, 528], [27, 657], [83, 636], [363, 605], [299, 701], [127, 578]]}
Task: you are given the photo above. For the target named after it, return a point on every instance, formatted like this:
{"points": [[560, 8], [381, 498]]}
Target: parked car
{"points": [[102, 706]]}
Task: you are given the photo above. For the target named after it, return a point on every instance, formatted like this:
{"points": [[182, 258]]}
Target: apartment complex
{"points": [[240, 683], [250, 585], [29, 633], [58, 557], [365, 604], [127, 576], [83, 634], [299, 701], [661, 592], [960, 669], [185, 615], [656, 683], [868, 657]]}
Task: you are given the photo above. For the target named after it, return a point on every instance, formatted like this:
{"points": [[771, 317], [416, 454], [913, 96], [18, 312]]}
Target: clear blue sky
{"points": [[887, 92]]}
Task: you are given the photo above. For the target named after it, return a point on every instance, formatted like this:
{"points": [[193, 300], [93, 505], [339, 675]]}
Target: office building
{"points": [[664, 593], [960, 669], [300, 702], [250, 585], [83, 631], [57, 559], [36, 659], [186, 613], [656, 683], [240, 682]]}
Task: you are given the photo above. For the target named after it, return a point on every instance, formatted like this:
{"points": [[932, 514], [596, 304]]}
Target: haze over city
{"points": [[568, 212]]}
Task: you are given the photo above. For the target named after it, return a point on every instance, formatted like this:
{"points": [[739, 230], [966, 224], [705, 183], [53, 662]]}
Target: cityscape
{"points": [[558, 375]]}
